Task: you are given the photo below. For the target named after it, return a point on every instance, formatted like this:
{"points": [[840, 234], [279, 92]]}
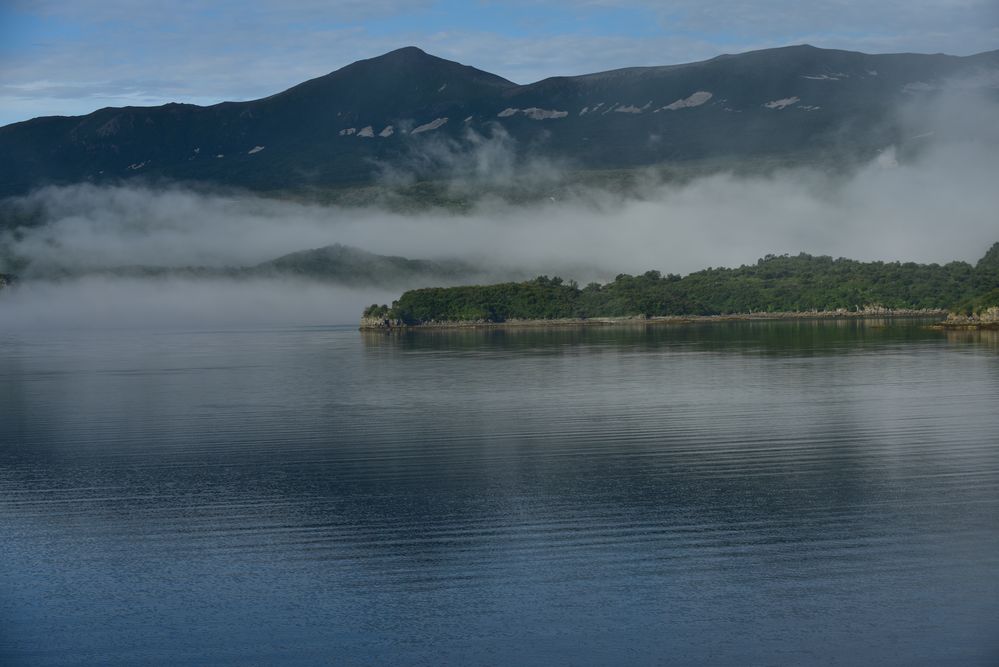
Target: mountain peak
{"points": [[407, 56], [406, 52], [410, 61]]}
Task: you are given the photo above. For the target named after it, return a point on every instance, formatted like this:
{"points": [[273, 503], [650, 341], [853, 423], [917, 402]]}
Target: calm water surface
{"points": [[754, 493]]}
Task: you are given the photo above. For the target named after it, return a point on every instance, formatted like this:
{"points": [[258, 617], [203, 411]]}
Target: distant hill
{"points": [[344, 127], [352, 266], [338, 264]]}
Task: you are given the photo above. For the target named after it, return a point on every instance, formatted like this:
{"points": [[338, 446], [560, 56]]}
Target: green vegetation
{"points": [[985, 292], [374, 310], [774, 284]]}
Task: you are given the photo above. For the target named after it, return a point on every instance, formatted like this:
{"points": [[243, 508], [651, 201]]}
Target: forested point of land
{"points": [[776, 283]]}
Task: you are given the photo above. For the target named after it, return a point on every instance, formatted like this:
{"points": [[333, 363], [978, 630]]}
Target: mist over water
{"points": [[936, 205], [95, 302]]}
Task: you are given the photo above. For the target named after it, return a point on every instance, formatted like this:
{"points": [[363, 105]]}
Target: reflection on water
{"points": [[768, 337], [988, 338], [763, 492]]}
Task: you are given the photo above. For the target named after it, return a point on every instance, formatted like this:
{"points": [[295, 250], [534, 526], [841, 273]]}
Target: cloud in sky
{"points": [[71, 57]]}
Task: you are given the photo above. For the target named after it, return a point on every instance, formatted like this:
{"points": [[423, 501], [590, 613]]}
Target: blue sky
{"points": [[74, 56]]}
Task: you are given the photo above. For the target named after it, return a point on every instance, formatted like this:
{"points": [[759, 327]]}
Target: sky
{"points": [[67, 57]]}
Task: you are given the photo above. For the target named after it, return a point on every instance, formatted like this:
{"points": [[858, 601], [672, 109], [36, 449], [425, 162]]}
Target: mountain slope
{"points": [[341, 127]]}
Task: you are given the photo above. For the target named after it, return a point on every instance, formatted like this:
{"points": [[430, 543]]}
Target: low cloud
{"points": [[937, 209], [474, 163]]}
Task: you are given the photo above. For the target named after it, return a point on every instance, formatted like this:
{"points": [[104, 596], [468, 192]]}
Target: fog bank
{"points": [[177, 303], [938, 209]]}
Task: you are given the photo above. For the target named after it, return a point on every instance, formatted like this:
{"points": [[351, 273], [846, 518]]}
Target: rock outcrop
{"points": [[984, 319]]}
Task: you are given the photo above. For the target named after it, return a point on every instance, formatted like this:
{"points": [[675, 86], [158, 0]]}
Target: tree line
{"points": [[775, 283]]}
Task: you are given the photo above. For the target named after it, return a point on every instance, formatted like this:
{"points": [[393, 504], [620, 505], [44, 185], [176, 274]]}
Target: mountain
{"points": [[344, 127]]}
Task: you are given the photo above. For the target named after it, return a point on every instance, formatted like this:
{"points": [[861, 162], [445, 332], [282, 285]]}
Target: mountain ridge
{"points": [[347, 125]]}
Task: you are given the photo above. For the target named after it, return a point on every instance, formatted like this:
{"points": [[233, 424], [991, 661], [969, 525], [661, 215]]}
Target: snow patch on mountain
{"points": [[629, 108], [835, 76], [782, 103], [432, 125], [694, 100], [534, 113]]}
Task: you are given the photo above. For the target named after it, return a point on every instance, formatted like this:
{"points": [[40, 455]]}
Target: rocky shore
{"points": [[987, 319], [386, 324]]}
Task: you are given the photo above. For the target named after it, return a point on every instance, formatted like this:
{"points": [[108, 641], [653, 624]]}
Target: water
{"points": [[754, 493]]}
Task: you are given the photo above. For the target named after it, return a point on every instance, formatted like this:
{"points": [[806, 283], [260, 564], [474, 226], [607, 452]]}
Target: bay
{"points": [[737, 493]]}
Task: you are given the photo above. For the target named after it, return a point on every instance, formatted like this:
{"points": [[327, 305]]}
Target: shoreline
{"points": [[386, 325], [965, 326], [987, 319]]}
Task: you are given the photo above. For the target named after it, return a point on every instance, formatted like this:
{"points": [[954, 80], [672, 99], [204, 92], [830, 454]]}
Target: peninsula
{"points": [[775, 287]]}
